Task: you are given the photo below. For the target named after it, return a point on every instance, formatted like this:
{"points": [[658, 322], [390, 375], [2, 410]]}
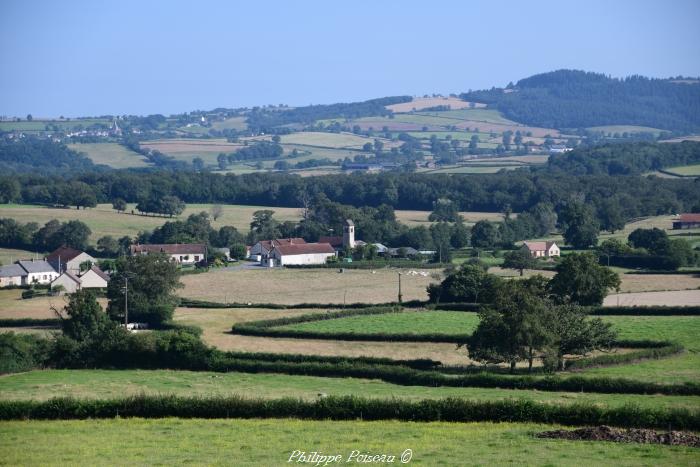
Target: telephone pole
{"points": [[400, 296]]}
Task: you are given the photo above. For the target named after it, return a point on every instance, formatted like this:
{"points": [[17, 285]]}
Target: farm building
{"points": [[559, 149], [542, 249], [687, 221], [37, 272], [181, 253], [304, 253], [12, 274], [261, 250], [93, 278], [68, 259]]}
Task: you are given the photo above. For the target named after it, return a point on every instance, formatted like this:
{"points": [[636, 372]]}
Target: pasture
{"points": [[625, 129], [105, 384], [420, 103], [233, 123], [686, 170], [327, 140], [10, 255], [39, 125], [111, 154], [187, 149], [271, 442]]}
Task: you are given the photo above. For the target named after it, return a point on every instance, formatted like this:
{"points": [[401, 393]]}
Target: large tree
{"points": [[580, 227], [519, 259], [152, 280], [470, 283], [580, 279], [485, 235]]}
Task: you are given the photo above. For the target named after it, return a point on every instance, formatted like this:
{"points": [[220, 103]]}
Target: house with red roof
{"points": [[300, 254], [687, 221], [542, 249]]}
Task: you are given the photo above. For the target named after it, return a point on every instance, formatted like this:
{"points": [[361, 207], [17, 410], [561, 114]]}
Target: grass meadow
{"points": [[271, 442], [112, 154], [686, 170]]}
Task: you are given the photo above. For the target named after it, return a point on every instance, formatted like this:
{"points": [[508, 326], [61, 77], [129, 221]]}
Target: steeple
{"points": [[349, 234]]}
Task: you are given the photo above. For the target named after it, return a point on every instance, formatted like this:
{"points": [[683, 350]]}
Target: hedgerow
{"points": [[351, 408]]}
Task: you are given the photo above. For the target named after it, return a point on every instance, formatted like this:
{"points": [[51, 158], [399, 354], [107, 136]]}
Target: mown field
{"points": [[111, 154], [271, 442], [40, 125], [686, 170]]}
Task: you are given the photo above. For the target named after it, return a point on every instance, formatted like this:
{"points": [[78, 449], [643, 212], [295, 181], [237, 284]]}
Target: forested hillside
{"points": [[578, 99], [625, 159], [42, 156], [260, 119]]}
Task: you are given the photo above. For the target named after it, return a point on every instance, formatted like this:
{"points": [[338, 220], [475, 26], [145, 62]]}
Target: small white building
{"points": [[306, 253], [542, 249], [12, 274], [93, 278], [69, 259], [181, 253], [38, 272]]}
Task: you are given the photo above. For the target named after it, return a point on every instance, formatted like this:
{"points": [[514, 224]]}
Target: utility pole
{"points": [[126, 302], [400, 296]]}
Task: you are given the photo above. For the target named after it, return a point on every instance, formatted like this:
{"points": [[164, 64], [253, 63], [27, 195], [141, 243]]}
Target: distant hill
{"points": [[579, 99]]}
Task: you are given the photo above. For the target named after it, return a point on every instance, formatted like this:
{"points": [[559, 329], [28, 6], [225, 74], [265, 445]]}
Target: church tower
{"points": [[349, 234]]}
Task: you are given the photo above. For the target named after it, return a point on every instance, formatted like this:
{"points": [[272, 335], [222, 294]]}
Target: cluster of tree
{"points": [[648, 249], [42, 156], [535, 317], [50, 236], [625, 159], [195, 229], [167, 205], [577, 99], [262, 119]]}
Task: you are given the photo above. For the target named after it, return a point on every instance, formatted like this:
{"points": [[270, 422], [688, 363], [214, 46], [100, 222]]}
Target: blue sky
{"points": [[78, 58]]}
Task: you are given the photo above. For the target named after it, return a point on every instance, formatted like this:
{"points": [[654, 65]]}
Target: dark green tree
{"points": [[581, 280], [519, 259], [580, 228], [485, 235]]}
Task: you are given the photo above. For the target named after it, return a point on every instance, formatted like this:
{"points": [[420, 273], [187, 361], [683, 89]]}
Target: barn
{"points": [[299, 254]]}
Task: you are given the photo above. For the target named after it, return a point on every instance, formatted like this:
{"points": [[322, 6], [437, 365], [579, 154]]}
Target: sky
{"points": [[89, 58]]}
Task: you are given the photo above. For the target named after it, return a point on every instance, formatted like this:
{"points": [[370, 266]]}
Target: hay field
{"points": [[293, 286], [103, 220], [12, 306], [188, 149], [111, 154], [472, 169], [413, 218], [420, 103], [10, 255], [329, 140], [233, 123], [686, 170], [666, 298], [625, 129]]}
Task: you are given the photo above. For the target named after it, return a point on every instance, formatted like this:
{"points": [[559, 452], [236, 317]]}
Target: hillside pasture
{"points": [[328, 140], [420, 103], [233, 123], [477, 115], [414, 218], [664, 298], [10, 255], [624, 129], [39, 125], [111, 154], [271, 442], [685, 170], [187, 149]]}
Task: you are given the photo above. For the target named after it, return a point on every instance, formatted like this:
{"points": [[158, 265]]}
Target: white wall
{"points": [[91, 280], [74, 264], [67, 283], [311, 258], [41, 277]]}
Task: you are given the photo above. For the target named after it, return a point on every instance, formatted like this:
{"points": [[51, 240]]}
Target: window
{"points": [[196, 257]]}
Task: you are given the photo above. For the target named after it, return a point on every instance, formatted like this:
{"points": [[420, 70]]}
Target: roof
{"points": [[304, 249], [334, 241], [538, 246], [171, 249], [12, 270], [36, 266], [349, 222], [270, 244], [690, 218], [66, 253], [69, 275], [99, 272]]}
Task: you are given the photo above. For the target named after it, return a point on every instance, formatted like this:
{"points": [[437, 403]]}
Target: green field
{"points": [[104, 384], [480, 115], [40, 125], [472, 169], [271, 442], [625, 129], [111, 154], [233, 123], [686, 170], [419, 322], [330, 140]]}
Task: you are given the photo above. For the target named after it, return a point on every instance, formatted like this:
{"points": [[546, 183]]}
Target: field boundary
{"points": [[350, 408]]}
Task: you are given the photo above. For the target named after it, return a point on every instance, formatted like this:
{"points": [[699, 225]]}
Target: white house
{"points": [[559, 149], [305, 253], [93, 278], [261, 250], [68, 259], [69, 281], [38, 272], [542, 249], [182, 253], [12, 274]]}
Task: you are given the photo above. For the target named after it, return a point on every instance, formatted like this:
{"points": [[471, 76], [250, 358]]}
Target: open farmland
{"points": [[686, 170], [233, 123], [13, 306], [10, 255], [111, 154], [671, 298], [271, 442], [413, 218], [188, 149], [327, 140], [293, 286], [625, 129], [36, 126], [420, 103]]}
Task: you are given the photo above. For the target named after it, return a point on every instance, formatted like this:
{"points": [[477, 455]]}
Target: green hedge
{"points": [[194, 303], [420, 364], [411, 377], [351, 408], [646, 311], [28, 322]]}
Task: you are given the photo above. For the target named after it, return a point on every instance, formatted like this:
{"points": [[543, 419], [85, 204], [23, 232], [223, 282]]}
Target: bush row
{"points": [[646, 310], [411, 377], [351, 408], [619, 358], [28, 322], [420, 364]]}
